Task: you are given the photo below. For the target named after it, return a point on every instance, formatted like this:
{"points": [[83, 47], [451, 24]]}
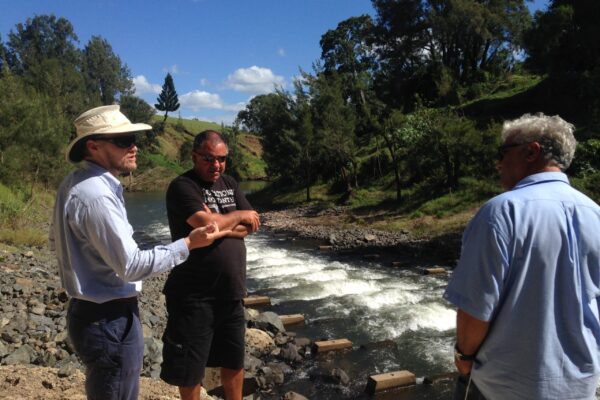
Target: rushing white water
{"points": [[368, 303]]}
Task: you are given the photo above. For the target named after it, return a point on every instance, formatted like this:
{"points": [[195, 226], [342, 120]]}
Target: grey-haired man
{"points": [[527, 285]]}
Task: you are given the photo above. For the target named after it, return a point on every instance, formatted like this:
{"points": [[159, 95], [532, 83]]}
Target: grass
{"points": [[192, 125], [376, 206], [252, 166], [24, 214]]}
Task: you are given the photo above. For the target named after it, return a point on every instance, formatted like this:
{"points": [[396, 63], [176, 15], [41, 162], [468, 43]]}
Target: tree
{"points": [[348, 51], [430, 49], [33, 130], [563, 43], [136, 109], [42, 37], [334, 120], [167, 99], [105, 75], [270, 116]]}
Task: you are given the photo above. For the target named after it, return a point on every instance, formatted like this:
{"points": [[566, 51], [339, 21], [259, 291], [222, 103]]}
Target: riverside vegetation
{"points": [[394, 135]]}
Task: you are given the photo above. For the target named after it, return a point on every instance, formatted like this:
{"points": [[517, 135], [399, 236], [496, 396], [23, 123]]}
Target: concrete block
{"points": [[291, 319], [257, 301], [390, 380], [329, 345], [434, 271]]}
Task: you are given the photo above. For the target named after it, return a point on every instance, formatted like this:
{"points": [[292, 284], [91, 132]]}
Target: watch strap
{"points": [[459, 355]]}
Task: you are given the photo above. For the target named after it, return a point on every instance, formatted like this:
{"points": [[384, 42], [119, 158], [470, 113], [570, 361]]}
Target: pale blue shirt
{"points": [[530, 264], [97, 257]]}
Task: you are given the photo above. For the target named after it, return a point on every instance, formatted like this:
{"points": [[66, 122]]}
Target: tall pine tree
{"points": [[167, 99]]}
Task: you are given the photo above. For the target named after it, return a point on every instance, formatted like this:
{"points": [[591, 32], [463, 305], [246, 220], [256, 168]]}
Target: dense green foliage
{"points": [[412, 100]]}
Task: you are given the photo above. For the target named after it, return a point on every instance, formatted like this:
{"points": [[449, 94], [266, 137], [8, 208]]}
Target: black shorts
{"points": [[201, 333]]}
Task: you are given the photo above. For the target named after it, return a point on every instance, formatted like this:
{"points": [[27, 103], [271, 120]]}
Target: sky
{"points": [[221, 53]]}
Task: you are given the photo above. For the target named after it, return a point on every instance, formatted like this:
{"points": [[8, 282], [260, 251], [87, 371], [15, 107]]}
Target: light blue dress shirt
{"points": [[97, 257], [530, 264]]}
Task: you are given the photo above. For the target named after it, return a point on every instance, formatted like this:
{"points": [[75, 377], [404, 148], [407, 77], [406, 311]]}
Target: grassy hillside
{"points": [[161, 163]]}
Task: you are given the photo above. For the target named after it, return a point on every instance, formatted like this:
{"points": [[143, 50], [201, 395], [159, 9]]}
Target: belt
{"points": [[129, 300], [133, 299]]}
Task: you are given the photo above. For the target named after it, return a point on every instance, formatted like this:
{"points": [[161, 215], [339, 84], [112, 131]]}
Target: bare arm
{"points": [[470, 333], [240, 222]]}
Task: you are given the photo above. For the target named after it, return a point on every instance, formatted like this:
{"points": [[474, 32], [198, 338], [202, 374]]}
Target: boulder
{"points": [[258, 342]]}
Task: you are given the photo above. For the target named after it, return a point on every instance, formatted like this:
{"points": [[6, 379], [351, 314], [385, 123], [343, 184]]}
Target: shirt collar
{"points": [[96, 169], [542, 177]]}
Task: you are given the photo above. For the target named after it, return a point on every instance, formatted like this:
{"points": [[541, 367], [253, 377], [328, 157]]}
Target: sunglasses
{"points": [[503, 149], [122, 142], [212, 159]]}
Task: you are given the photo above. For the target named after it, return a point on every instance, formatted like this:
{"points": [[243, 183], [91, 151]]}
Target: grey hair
{"points": [[554, 134]]}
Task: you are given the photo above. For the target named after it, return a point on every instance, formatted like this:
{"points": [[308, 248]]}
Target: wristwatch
{"points": [[461, 356]]}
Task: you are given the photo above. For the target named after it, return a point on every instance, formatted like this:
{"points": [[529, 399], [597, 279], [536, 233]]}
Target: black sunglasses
{"points": [[122, 142], [211, 159], [503, 149]]}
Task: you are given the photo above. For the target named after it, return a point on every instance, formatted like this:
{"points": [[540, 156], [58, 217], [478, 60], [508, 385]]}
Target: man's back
{"points": [[537, 255]]}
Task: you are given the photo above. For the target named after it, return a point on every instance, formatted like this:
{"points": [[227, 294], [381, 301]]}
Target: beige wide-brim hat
{"points": [[105, 120]]}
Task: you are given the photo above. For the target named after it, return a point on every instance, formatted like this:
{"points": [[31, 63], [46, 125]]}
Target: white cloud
{"points": [[200, 99], [281, 52], [254, 80], [142, 85], [204, 81]]}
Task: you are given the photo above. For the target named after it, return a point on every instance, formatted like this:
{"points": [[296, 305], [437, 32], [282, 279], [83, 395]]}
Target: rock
{"points": [[339, 376], [66, 370], [267, 377], [269, 321], [258, 342], [293, 396], [251, 314], [302, 342], [370, 237], [290, 353], [251, 363], [23, 355], [3, 349]]}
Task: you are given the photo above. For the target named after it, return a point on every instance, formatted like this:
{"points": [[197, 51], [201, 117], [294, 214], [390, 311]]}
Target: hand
{"points": [[251, 219], [464, 366], [205, 236]]}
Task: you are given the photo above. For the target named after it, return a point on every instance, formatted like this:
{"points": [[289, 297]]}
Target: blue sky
{"points": [[221, 53]]}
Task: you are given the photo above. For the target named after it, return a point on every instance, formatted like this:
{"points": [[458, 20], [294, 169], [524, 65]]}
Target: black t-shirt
{"points": [[219, 270]]}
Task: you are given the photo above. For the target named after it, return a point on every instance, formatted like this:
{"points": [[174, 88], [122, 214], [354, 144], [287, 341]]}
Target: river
{"points": [[396, 318]]}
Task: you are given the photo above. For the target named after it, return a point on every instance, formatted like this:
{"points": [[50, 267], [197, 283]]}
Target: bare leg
{"points": [[233, 382], [190, 392]]}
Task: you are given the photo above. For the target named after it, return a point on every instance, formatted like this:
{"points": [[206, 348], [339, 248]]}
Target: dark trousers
{"points": [[466, 389], [109, 341]]}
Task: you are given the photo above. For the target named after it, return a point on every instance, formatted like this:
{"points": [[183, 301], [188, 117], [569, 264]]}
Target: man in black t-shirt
{"points": [[206, 324]]}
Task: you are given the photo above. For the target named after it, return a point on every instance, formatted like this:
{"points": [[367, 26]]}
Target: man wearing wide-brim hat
{"points": [[100, 265]]}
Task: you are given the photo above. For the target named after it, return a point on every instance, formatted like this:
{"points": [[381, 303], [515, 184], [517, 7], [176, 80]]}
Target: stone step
{"points": [[291, 319], [433, 271], [329, 345], [390, 380], [257, 301]]}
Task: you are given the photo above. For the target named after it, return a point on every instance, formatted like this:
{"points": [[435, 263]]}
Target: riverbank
{"points": [[332, 229], [38, 362]]}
